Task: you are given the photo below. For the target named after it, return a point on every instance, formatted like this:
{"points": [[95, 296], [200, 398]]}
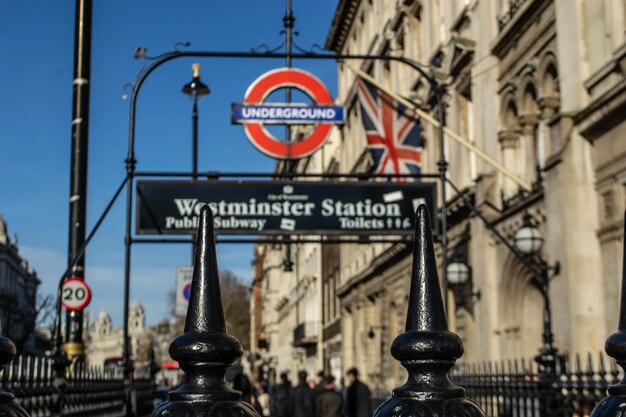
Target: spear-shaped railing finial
{"points": [[615, 347], [8, 406], [427, 349], [205, 350]]}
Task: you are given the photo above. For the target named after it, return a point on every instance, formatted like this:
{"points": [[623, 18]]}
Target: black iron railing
{"points": [[513, 388], [87, 391], [522, 195]]}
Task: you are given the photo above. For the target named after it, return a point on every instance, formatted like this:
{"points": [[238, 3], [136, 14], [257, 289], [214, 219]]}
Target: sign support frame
{"points": [[131, 174]]}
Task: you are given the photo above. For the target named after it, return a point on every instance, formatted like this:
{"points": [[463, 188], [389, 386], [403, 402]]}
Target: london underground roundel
{"points": [[254, 113]]}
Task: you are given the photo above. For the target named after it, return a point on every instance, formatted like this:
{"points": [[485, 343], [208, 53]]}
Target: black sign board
{"points": [[282, 207]]}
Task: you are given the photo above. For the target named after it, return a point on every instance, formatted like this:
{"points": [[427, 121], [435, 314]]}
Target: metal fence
{"points": [[85, 391], [517, 388]]}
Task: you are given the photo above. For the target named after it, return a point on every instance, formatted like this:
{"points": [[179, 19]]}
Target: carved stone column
{"points": [[530, 146], [509, 144]]}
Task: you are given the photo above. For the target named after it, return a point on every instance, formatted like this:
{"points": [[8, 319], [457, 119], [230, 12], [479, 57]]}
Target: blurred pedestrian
{"points": [[242, 383], [328, 402], [302, 398], [358, 398], [280, 400], [160, 393], [319, 382], [262, 401]]}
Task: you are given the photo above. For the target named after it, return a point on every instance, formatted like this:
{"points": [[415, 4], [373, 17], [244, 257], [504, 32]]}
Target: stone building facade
{"points": [[18, 293], [539, 86], [106, 344]]}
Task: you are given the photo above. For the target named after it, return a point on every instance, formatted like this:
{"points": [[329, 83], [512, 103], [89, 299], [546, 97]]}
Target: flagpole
{"points": [[458, 138]]}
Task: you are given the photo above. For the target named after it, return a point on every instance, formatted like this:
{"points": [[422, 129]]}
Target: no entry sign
{"points": [[184, 274], [76, 294], [253, 113]]}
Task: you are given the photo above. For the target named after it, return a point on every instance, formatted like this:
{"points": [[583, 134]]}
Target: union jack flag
{"points": [[393, 132]]}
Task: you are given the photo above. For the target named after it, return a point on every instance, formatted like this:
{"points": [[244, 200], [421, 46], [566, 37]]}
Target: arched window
{"points": [[520, 309], [529, 120], [508, 137]]}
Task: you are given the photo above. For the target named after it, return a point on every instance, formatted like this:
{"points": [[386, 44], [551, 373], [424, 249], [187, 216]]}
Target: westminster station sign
{"points": [[281, 207]]}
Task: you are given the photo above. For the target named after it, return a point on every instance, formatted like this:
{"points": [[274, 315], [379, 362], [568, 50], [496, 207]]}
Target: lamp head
{"points": [[457, 273], [528, 238], [196, 88]]}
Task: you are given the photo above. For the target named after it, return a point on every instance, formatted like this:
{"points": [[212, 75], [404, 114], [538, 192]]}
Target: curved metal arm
{"points": [[168, 56]]}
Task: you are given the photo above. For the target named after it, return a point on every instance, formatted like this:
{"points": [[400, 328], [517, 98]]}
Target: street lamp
{"points": [[287, 262], [458, 273], [528, 238], [371, 334], [529, 241], [195, 89]]}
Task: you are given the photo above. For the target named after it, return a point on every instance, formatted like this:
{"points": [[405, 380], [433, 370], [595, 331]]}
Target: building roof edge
{"points": [[343, 19]]}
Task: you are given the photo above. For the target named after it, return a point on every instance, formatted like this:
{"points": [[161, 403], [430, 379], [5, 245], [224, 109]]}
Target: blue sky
{"points": [[36, 45]]}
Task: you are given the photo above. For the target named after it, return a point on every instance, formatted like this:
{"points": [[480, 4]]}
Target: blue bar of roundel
{"points": [[285, 113]]}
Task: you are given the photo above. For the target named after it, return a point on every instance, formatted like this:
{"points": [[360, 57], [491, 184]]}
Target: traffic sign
{"points": [[253, 113], [183, 289], [76, 294]]}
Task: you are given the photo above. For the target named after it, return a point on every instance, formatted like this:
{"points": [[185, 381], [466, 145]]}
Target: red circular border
{"points": [[87, 299], [262, 87]]}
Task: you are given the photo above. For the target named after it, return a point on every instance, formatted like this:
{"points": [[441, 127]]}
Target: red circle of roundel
{"points": [[74, 300], [262, 87]]}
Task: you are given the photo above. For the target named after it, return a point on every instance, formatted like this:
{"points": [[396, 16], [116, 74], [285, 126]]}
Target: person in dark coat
{"points": [[280, 399], [328, 402], [302, 398], [358, 398], [242, 383], [319, 382]]}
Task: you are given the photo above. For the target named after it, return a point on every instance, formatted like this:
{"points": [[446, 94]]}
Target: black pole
{"points": [[194, 145], [74, 346], [443, 168], [547, 353]]}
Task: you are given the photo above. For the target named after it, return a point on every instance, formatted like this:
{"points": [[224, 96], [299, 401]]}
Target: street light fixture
{"points": [[528, 238], [458, 273], [195, 89], [529, 241]]}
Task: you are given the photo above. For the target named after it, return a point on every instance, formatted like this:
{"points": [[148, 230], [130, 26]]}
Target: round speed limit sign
{"points": [[75, 294]]}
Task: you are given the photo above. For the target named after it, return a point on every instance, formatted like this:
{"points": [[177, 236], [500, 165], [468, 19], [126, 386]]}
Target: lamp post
{"points": [[529, 241], [195, 89], [371, 335]]}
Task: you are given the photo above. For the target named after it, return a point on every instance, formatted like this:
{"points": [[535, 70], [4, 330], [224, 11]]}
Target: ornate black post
{"points": [[615, 404], [74, 346], [8, 406], [427, 349], [547, 356], [205, 350]]}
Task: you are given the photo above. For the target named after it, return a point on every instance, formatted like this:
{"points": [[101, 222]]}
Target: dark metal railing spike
{"points": [[427, 349], [8, 406], [205, 350], [601, 364], [615, 347]]}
